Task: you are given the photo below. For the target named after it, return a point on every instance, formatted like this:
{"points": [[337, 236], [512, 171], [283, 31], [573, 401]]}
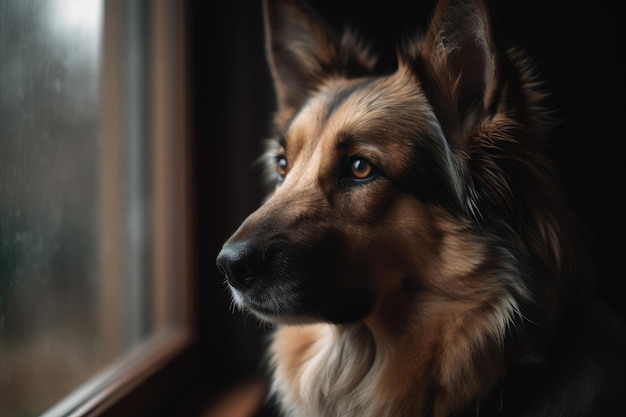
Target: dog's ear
{"points": [[303, 52], [459, 64]]}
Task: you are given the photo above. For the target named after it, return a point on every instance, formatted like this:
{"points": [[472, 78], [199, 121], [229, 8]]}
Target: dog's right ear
{"points": [[303, 53]]}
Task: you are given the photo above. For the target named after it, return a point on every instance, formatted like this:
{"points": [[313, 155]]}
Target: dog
{"points": [[415, 253]]}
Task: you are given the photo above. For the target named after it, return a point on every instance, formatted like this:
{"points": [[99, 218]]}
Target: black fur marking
{"points": [[342, 95]]}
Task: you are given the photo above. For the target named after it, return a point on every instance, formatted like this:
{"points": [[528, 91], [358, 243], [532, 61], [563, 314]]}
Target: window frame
{"points": [[120, 389]]}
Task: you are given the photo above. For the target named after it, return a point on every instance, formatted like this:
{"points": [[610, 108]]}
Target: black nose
{"points": [[241, 263]]}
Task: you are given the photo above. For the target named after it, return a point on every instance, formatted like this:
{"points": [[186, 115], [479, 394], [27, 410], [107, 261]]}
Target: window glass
{"points": [[76, 208]]}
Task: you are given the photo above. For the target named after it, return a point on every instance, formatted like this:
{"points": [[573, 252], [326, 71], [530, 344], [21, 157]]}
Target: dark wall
{"points": [[231, 99], [579, 48]]}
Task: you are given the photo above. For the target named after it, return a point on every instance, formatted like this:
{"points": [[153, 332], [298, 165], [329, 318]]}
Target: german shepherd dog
{"points": [[415, 254]]}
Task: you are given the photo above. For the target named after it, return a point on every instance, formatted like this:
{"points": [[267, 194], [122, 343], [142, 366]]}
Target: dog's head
{"points": [[392, 187]]}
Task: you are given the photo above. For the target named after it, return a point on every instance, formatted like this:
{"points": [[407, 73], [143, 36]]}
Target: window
{"points": [[93, 200]]}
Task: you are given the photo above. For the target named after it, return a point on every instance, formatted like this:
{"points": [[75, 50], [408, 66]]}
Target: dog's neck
{"points": [[357, 370]]}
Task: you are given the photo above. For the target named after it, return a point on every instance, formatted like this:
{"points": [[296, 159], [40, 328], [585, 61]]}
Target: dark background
{"points": [[580, 51]]}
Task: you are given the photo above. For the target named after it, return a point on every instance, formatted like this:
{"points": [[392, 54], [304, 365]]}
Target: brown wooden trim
{"points": [[163, 167], [111, 251], [171, 216], [126, 375], [170, 166]]}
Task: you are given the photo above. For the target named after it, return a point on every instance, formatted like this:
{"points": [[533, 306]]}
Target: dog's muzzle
{"points": [[241, 263]]}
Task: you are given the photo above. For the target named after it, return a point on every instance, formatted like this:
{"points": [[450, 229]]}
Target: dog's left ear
{"points": [[303, 52], [459, 64]]}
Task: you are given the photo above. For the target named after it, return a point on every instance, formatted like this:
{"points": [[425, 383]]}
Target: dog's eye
{"points": [[281, 165], [361, 169], [358, 170]]}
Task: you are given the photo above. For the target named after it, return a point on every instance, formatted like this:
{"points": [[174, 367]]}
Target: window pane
{"points": [[77, 205], [49, 78]]}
